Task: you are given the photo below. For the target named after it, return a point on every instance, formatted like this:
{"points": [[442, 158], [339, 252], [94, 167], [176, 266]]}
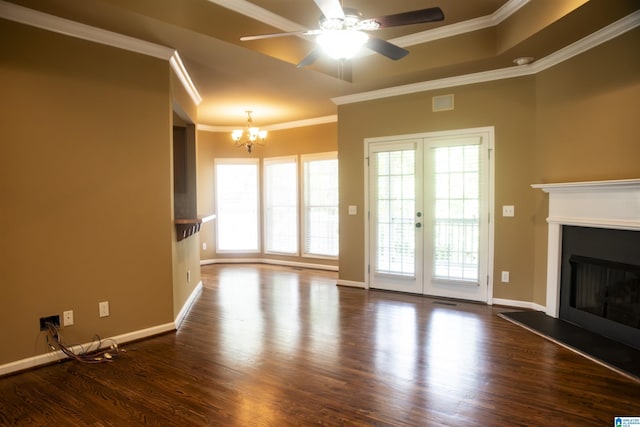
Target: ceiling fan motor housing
{"points": [[352, 21]]}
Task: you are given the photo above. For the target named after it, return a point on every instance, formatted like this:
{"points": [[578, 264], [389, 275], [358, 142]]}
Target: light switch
{"points": [[353, 210]]}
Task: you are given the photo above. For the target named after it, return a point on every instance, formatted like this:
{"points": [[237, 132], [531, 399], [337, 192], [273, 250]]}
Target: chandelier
{"points": [[249, 136]]}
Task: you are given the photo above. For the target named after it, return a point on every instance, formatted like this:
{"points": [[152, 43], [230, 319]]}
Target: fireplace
{"points": [[580, 215], [600, 281]]}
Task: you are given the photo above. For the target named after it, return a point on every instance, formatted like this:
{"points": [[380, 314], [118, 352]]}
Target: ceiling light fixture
{"points": [[342, 44], [249, 136]]}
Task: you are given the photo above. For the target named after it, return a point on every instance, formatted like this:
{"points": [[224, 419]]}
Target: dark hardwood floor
{"points": [[272, 346]]}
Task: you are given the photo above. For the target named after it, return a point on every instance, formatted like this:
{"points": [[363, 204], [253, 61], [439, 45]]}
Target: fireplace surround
{"points": [[596, 205]]}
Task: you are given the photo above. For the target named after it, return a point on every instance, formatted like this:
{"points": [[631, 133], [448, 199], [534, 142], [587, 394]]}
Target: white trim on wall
{"points": [[601, 204], [280, 262], [70, 28], [351, 284], [47, 358], [278, 126], [610, 32], [187, 305], [518, 304], [54, 356]]}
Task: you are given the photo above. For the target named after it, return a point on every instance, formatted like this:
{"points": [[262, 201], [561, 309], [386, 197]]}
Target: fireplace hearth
{"points": [[593, 258]]}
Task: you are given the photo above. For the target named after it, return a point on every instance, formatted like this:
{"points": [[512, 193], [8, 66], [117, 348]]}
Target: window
{"points": [[320, 211], [237, 205], [281, 205]]}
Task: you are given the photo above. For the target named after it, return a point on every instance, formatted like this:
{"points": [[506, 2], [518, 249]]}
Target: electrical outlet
{"points": [[104, 308], [204, 246], [49, 320], [67, 318], [505, 277]]}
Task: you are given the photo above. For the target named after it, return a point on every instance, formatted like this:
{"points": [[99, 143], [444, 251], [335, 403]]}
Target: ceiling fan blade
{"points": [[285, 34], [330, 8], [407, 18], [310, 58], [385, 48]]}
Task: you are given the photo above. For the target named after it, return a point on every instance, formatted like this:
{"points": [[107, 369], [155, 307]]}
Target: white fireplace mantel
{"points": [[601, 204]]}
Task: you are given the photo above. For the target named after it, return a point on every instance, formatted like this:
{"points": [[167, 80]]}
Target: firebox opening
{"points": [[600, 282], [610, 290]]}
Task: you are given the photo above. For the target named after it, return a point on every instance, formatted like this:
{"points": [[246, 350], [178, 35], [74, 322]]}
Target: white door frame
{"points": [[489, 132]]}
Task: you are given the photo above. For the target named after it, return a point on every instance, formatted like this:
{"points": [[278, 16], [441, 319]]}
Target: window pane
{"points": [[321, 205], [237, 206], [281, 206]]}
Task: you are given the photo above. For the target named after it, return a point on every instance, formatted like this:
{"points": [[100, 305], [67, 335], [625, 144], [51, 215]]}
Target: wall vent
{"points": [[442, 103]]}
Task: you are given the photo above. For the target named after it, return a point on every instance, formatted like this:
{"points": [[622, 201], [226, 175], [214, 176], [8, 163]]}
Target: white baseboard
{"points": [[187, 305], [269, 261], [46, 358], [516, 303], [351, 284]]}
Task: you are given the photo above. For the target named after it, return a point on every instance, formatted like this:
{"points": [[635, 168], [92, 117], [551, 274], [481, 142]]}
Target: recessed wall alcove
{"points": [[187, 221]]}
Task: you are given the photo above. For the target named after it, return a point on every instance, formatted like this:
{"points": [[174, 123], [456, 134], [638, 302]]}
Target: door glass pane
{"points": [[396, 205], [457, 213]]}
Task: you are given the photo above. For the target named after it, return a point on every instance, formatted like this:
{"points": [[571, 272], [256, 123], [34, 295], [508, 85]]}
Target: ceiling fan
{"points": [[343, 31]]}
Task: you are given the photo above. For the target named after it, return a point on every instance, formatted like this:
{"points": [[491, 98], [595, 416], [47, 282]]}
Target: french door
{"points": [[428, 202]]}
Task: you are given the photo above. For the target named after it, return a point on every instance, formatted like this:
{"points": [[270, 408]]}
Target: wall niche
{"points": [[184, 179]]}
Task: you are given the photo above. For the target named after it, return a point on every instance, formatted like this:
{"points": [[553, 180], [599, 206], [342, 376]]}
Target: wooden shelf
{"points": [[186, 227]]}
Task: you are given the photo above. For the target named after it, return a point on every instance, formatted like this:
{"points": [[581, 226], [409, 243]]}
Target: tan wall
{"points": [[303, 140], [509, 106], [85, 184], [587, 126], [185, 253], [576, 121]]}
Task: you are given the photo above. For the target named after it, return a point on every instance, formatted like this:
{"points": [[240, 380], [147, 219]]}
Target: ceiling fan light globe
{"points": [[342, 44]]}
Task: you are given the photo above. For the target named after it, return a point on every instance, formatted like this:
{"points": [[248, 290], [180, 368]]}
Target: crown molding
{"points": [[183, 75], [476, 24], [507, 9], [258, 13], [280, 126], [302, 123], [603, 35], [67, 27], [45, 21]]}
